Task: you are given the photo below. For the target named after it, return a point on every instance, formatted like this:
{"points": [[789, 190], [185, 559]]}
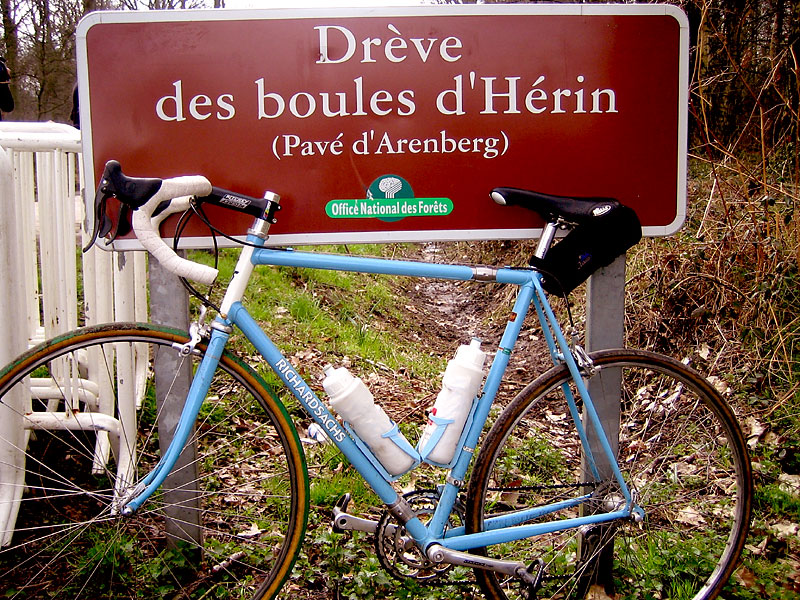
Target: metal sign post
{"points": [[605, 328], [169, 306]]}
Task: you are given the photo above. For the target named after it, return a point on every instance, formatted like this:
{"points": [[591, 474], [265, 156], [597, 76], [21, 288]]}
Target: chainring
{"points": [[397, 552]]}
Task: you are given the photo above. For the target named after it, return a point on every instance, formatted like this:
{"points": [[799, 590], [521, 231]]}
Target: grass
{"points": [[339, 314]]}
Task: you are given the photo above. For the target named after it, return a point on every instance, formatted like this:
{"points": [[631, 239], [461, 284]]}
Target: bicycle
{"points": [[547, 502]]}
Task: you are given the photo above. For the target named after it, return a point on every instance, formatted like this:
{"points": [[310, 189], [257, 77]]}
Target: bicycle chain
{"points": [[389, 557], [553, 486], [593, 485], [403, 562]]}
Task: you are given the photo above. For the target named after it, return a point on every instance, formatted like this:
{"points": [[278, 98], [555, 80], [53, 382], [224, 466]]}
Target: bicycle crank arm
{"points": [[342, 521], [439, 554]]}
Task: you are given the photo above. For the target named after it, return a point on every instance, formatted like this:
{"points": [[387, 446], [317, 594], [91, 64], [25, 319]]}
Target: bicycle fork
{"points": [[130, 502]]}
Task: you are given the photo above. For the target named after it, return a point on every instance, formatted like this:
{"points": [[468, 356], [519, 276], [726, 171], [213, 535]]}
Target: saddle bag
{"points": [[595, 243]]}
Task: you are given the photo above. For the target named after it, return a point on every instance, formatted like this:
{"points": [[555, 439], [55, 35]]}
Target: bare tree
{"points": [[39, 43], [161, 4], [746, 65]]}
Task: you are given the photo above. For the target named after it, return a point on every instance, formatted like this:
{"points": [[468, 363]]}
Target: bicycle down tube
{"points": [[499, 529]]}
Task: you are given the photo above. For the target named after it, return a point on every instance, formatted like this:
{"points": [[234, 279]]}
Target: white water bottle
{"points": [[461, 382], [351, 399]]}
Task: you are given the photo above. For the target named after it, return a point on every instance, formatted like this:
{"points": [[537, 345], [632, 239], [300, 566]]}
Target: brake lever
{"points": [[102, 223], [131, 192], [123, 223]]}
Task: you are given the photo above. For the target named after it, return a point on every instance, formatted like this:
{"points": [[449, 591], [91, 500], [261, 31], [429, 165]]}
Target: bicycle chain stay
{"points": [[541, 575], [554, 486]]}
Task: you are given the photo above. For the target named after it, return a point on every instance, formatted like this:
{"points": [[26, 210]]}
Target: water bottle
{"points": [[460, 385], [351, 399]]}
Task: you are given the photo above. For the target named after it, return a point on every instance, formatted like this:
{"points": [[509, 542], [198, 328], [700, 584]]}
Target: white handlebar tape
{"points": [[177, 205], [146, 227]]}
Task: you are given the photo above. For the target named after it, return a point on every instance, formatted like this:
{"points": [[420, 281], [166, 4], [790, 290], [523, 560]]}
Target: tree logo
{"points": [[390, 187]]}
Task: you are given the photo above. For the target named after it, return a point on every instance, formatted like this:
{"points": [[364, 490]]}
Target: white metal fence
{"points": [[51, 288]]}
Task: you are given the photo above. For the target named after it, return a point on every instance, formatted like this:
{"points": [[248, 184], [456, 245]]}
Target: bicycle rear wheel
{"points": [[682, 454], [230, 527]]}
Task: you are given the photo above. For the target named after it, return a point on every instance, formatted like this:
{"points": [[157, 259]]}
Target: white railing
{"points": [[41, 265]]}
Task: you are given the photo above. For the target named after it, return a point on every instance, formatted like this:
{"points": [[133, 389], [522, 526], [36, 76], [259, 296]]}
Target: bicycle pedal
{"points": [[339, 514]]}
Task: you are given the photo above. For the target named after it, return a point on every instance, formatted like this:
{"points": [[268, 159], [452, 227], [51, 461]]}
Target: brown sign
{"points": [[394, 124]]}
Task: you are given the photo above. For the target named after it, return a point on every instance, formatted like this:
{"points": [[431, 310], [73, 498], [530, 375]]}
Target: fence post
{"points": [[13, 435], [169, 305]]}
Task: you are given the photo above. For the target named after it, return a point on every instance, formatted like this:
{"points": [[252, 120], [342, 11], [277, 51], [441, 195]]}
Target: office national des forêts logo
{"points": [[389, 198]]}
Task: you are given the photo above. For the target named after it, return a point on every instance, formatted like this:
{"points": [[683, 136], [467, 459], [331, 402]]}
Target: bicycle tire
{"points": [[681, 452], [233, 532]]}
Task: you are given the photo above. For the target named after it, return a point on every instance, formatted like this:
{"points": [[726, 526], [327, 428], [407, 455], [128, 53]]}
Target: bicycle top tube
{"points": [[388, 266]]}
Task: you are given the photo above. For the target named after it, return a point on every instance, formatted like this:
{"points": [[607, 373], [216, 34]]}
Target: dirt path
{"points": [[456, 311]]}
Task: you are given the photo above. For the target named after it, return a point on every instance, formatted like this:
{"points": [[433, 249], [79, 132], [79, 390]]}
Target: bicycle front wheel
{"points": [[681, 453], [81, 417]]}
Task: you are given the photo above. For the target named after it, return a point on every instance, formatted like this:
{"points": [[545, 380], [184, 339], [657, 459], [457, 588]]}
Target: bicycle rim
{"points": [[682, 454], [232, 526]]}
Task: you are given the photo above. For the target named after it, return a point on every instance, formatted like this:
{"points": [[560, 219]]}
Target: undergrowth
{"points": [[723, 294]]}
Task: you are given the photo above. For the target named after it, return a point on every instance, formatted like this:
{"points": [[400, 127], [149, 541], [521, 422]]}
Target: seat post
{"points": [[548, 235]]}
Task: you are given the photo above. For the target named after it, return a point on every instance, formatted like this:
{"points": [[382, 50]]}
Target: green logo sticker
{"points": [[389, 198]]}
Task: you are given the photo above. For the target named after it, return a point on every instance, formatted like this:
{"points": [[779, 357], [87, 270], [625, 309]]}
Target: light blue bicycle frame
{"points": [[506, 528]]}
